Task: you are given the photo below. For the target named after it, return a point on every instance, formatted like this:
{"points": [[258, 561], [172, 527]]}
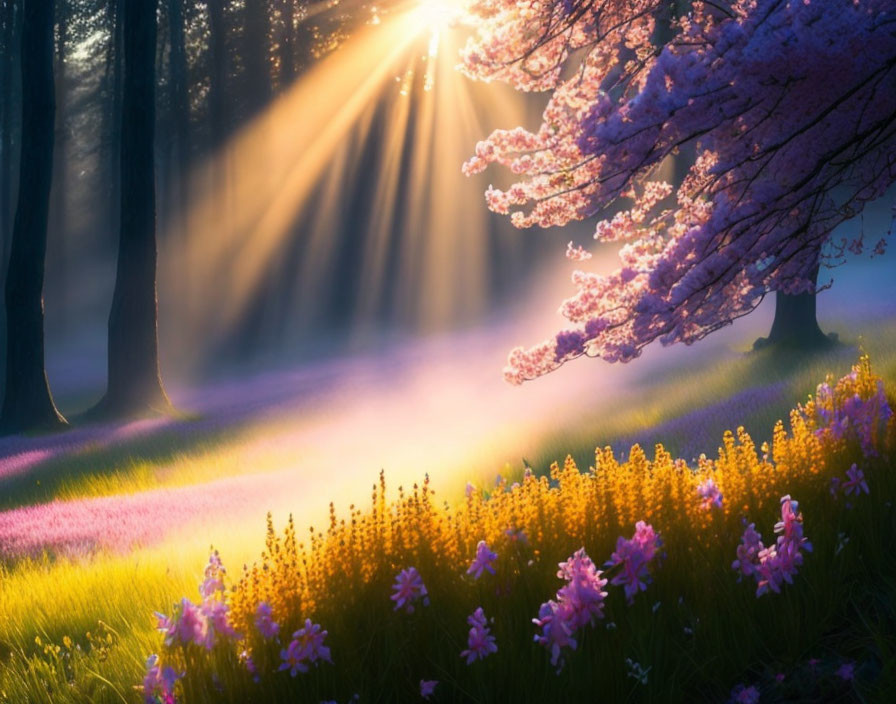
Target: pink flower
{"points": [[427, 688], [480, 642], [748, 551], [188, 625], [158, 684], [483, 561], [556, 619], [407, 589], [214, 577], [264, 622], [633, 557], [307, 646], [584, 589], [709, 492], [855, 481], [216, 614]]}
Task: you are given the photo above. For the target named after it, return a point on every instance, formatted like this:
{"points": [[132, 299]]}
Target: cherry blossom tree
{"points": [[785, 111]]}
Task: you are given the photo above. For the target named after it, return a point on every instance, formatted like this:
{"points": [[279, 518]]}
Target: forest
{"points": [[447, 350]]}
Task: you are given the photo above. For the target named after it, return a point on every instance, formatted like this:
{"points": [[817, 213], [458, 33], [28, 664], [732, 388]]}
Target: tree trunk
{"points": [[218, 113], [179, 103], [795, 325], [27, 403], [58, 264], [256, 53], [135, 385]]}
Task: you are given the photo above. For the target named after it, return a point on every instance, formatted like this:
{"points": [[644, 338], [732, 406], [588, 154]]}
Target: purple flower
{"points": [[427, 688], [742, 694], [214, 577], [633, 557], [307, 646], [407, 589], [855, 481], [584, 589], [709, 492], [480, 642], [264, 622], [846, 672], [556, 619], [216, 614], [158, 684], [483, 561]]}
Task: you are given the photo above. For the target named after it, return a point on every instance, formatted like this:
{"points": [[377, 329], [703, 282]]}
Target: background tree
{"points": [[134, 383], [27, 402], [790, 108]]}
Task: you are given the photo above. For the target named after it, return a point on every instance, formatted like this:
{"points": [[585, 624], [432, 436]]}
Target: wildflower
{"points": [[633, 556], [742, 694], [709, 492], [855, 481], [245, 657], [480, 642], [583, 591], [483, 561], [427, 688], [158, 684], [517, 536], [407, 589], [307, 646], [748, 551], [846, 671], [189, 625], [264, 622], [216, 614], [214, 577]]}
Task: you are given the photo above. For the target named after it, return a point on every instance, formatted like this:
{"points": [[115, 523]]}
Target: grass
{"points": [[54, 599]]}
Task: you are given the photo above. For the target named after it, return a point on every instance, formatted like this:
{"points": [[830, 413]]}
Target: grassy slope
{"points": [[52, 599]]}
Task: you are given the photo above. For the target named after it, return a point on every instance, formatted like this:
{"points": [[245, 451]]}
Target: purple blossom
{"points": [[742, 694], [159, 682], [846, 672], [710, 494], [264, 622], [407, 589], [427, 688], [855, 482], [633, 556], [480, 641], [307, 647], [483, 561]]}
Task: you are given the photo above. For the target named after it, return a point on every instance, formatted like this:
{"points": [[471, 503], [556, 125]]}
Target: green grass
{"points": [[54, 599]]}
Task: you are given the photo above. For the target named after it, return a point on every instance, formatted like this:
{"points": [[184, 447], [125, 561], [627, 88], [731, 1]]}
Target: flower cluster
{"points": [[408, 588], [480, 641], [773, 565], [307, 647], [579, 602], [203, 624], [633, 557], [851, 411], [159, 682], [710, 494], [762, 92], [483, 561], [265, 623]]}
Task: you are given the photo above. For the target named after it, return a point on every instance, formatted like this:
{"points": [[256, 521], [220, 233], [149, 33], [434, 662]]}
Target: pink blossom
{"points": [[483, 561], [407, 589], [633, 557], [480, 641], [159, 682]]}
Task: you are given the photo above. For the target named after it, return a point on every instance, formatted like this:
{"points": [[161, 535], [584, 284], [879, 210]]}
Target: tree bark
{"points": [[59, 193], [135, 384], [218, 113], [27, 402], [9, 21], [256, 53], [795, 324]]}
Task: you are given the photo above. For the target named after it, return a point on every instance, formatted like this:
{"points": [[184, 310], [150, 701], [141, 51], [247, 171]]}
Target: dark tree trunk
{"points": [[135, 385], [256, 53], [27, 403], [287, 44], [795, 324], [59, 195], [9, 20], [112, 113], [218, 114], [179, 102]]}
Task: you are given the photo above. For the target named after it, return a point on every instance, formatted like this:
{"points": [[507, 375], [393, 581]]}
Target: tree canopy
{"points": [[785, 111]]}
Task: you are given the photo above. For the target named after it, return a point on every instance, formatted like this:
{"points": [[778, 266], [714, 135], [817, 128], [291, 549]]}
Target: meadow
{"points": [[78, 615]]}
